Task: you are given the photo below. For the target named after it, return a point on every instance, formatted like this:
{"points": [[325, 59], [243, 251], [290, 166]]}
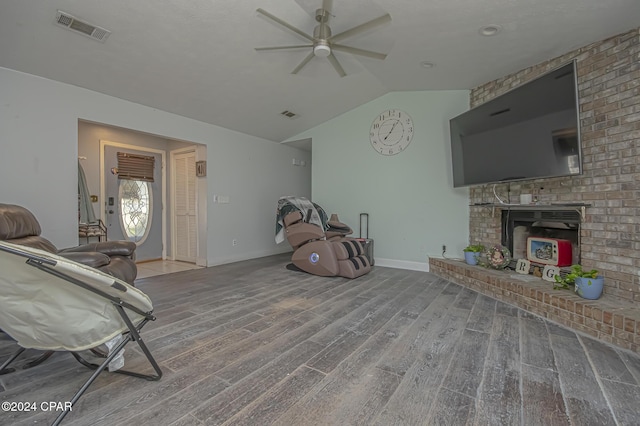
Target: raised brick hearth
{"points": [[608, 318]]}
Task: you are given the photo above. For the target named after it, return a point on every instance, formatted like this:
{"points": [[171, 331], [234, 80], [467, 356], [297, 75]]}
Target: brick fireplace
{"points": [[609, 96], [608, 74]]}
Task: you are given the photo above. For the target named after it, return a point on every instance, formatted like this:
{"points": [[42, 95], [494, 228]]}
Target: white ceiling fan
{"points": [[322, 42]]}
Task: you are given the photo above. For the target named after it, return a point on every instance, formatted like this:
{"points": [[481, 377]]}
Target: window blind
{"points": [[135, 167]]}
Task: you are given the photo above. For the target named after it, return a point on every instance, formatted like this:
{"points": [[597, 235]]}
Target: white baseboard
{"points": [[402, 264], [389, 263], [247, 256]]}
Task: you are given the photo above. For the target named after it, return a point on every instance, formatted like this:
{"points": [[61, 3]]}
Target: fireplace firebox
{"points": [[518, 225]]}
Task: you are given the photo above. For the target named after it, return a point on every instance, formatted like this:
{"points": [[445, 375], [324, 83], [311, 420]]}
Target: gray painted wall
{"points": [[38, 166], [410, 198]]}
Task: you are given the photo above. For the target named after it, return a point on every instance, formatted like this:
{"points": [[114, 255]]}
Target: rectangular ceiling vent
{"points": [[289, 114], [70, 22]]}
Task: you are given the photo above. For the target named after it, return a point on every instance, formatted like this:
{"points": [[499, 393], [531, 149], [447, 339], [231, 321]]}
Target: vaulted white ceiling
{"points": [[196, 58]]}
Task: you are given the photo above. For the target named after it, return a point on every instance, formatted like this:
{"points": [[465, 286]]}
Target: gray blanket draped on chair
{"points": [[288, 204]]}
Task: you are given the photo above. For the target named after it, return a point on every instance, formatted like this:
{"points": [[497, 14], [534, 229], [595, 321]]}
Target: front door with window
{"points": [[133, 208]]}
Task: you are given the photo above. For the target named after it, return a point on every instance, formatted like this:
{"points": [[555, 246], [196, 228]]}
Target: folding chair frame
{"points": [[133, 334]]}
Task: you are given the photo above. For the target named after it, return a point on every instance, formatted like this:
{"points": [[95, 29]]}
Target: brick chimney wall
{"points": [[609, 97]]}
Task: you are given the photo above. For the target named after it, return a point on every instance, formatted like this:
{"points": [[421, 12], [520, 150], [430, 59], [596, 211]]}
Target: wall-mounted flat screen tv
{"points": [[529, 132]]}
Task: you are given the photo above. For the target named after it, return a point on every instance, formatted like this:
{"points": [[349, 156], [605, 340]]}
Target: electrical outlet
{"points": [[234, 242]]}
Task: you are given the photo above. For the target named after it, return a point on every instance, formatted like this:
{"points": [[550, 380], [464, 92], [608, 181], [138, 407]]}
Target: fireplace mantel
{"points": [[579, 207]]}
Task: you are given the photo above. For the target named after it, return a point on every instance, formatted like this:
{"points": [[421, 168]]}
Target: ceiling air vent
{"points": [[289, 114], [72, 23]]}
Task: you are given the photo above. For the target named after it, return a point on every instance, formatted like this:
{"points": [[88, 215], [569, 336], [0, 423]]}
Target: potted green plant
{"points": [[471, 253], [588, 284]]}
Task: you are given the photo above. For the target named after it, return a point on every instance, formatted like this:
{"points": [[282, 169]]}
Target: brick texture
{"points": [[613, 321], [609, 97]]}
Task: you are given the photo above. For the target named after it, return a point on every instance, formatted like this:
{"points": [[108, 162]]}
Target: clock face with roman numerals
{"points": [[391, 132]]}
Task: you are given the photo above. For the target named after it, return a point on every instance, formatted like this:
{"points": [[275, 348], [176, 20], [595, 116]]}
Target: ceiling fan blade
{"points": [[299, 46], [284, 24], [336, 65], [303, 63], [360, 28], [356, 51]]}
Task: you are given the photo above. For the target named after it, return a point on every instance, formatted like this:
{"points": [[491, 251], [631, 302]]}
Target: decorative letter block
{"points": [[522, 267], [549, 272]]}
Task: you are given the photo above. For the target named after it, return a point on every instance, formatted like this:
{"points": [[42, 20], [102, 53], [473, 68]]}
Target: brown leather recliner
{"points": [[116, 258], [323, 252]]}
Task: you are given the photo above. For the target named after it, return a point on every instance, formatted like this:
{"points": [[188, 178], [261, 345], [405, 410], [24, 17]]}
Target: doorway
{"points": [[93, 136], [134, 208]]}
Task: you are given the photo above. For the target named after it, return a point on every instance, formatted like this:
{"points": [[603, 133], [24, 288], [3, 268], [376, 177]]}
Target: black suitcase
{"points": [[365, 241]]}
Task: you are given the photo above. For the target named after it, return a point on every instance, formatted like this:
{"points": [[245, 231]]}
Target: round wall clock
{"points": [[391, 132]]}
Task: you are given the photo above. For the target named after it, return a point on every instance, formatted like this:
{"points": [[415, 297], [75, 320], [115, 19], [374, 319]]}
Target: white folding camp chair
{"points": [[51, 303]]}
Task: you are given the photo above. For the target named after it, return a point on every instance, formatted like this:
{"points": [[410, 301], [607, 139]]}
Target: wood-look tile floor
{"points": [[254, 343], [162, 267]]}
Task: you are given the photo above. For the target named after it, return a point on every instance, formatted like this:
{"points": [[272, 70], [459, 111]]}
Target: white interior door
{"points": [[185, 222], [133, 209]]}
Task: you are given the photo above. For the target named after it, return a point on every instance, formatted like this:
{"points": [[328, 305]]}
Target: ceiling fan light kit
{"points": [[323, 42], [322, 49]]}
